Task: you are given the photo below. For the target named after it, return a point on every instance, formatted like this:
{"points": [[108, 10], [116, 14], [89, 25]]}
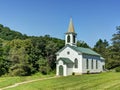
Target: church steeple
{"points": [[70, 37], [71, 27]]}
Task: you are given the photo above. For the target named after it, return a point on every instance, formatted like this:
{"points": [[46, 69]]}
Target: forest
{"points": [[23, 55]]}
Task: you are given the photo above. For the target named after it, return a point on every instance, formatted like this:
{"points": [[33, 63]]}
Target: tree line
{"points": [[22, 55], [111, 53]]}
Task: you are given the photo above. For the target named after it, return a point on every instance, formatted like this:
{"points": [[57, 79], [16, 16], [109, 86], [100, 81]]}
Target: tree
{"points": [[50, 50], [101, 46], [19, 57], [7, 34], [82, 44], [115, 50], [1, 49], [43, 66], [4, 64]]}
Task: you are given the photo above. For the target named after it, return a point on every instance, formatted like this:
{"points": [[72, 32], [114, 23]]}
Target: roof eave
{"points": [[91, 54]]}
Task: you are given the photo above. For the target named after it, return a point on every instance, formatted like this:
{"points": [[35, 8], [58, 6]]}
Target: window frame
{"points": [[74, 38], [96, 64], [87, 64], [68, 39], [92, 64], [76, 63]]}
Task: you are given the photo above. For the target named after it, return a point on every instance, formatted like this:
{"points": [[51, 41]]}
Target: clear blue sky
{"points": [[93, 19]]}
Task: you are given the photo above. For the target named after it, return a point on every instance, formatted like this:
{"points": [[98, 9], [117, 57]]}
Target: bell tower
{"points": [[70, 37]]}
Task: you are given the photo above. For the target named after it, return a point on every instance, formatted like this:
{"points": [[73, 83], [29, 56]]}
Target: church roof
{"points": [[84, 50], [71, 27], [65, 60], [81, 50]]}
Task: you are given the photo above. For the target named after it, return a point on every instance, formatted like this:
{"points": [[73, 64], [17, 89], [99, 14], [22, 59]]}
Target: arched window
{"points": [[68, 38], [76, 63], [73, 38]]}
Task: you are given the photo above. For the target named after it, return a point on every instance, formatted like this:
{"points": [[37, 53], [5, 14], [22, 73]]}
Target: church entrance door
{"points": [[61, 70]]}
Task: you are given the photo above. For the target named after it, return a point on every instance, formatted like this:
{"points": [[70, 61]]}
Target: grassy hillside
{"points": [[7, 81], [103, 81]]}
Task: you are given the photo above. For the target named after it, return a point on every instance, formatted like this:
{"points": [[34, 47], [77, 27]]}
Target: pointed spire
{"points": [[71, 27]]}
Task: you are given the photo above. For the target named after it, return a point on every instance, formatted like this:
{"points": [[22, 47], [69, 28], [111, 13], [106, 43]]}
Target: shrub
{"points": [[20, 70], [73, 73], [43, 70], [88, 72], [117, 69]]}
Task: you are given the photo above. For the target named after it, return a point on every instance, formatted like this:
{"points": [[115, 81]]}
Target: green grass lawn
{"points": [[103, 81], [6, 81]]}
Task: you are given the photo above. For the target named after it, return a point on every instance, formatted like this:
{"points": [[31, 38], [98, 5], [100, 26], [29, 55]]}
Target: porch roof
{"points": [[65, 60]]}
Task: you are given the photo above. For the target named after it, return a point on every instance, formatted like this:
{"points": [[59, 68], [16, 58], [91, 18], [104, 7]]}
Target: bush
{"points": [[20, 70], [43, 70], [73, 73], [88, 72], [117, 69]]}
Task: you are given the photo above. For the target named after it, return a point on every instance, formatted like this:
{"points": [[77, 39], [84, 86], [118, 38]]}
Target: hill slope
{"points": [[8, 34]]}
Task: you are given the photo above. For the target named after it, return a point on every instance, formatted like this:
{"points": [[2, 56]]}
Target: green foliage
{"points": [[82, 44], [19, 57], [110, 53], [1, 49], [20, 70], [102, 47], [73, 73], [43, 66], [8, 34], [114, 50], [4, 64], [88, 72], [117, 69], [27, 56]]}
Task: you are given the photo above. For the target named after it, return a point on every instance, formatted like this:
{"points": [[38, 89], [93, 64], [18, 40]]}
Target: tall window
{"points": [[73, 38], [96, 64], [76, 63], [87, 64], [68, 38], [103, 67], [92, 64]]}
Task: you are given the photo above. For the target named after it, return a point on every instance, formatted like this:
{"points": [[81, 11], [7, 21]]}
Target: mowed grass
{"points": [[103, 81], [7, 81]]}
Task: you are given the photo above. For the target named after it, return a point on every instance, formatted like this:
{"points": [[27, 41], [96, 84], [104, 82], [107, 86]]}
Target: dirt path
{"points": [[17, 84]]}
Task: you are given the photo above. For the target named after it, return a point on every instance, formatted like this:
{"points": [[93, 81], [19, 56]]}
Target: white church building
{"points": [[78, 60]]}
